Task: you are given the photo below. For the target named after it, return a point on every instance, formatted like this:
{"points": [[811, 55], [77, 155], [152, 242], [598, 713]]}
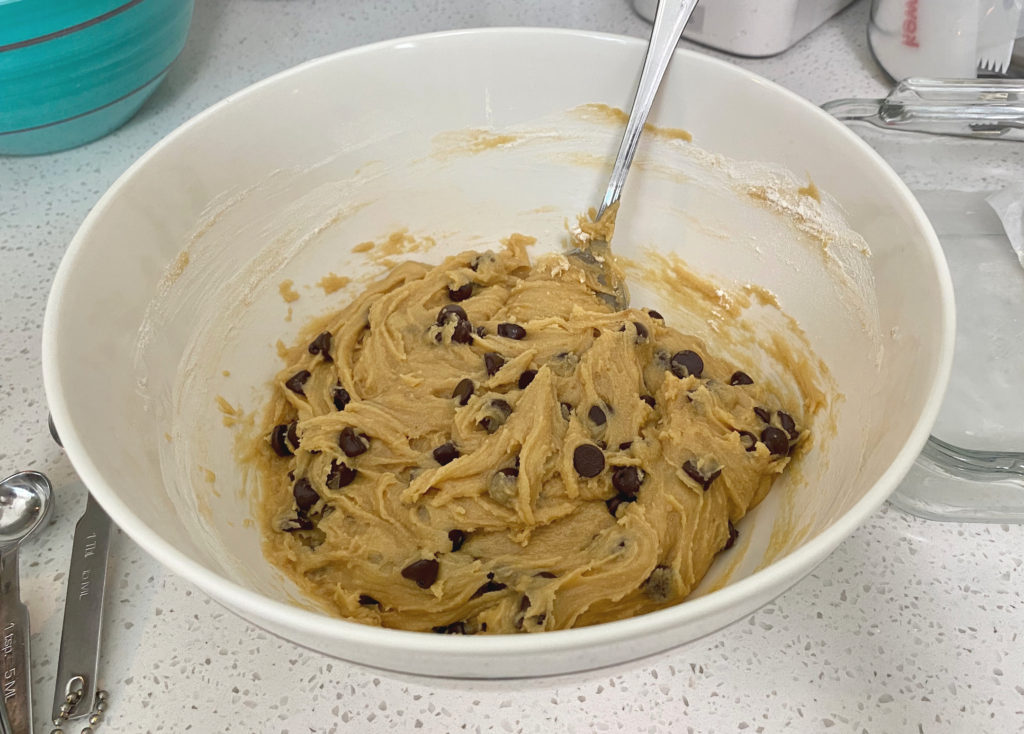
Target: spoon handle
{"points": [[669, 22], [15, 675], [78, 664]]}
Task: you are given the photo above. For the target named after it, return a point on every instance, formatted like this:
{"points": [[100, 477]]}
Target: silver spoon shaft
{"points": [[668, 27], [78, 664], [15, 674]]}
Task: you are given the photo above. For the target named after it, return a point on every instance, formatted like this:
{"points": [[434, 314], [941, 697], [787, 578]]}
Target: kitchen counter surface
{"points": [[910, 626]]}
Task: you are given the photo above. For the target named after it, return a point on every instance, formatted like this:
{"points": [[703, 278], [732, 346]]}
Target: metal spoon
{"points": [[669, 21], [26, 499], [77, 694]]}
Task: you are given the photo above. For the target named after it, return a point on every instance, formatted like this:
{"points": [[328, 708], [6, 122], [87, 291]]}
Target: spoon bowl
{"points": [[26, 499]]}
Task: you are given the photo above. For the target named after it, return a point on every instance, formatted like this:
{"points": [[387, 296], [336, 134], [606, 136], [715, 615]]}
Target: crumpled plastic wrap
{"points": [[1009, 206]]}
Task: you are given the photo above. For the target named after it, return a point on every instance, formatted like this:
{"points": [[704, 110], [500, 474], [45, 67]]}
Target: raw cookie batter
{"points": [[485, 446]]}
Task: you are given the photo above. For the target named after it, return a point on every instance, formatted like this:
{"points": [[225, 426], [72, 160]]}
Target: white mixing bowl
{"points": [[169, 295]]}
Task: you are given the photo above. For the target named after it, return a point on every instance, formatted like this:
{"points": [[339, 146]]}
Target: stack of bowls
{"points": [[72, 71]]}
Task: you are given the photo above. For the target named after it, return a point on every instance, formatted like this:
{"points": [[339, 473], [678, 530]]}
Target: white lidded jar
{"points": [[751, 27], [932, 38]]}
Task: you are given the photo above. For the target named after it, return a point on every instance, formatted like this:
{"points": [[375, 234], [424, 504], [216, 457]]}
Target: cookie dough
{"points": [[485, 446]]}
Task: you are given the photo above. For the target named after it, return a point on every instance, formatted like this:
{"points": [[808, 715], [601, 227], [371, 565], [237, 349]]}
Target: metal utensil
{"points": [[76, 693], [976, 108], [669, 21], [26, 499]]}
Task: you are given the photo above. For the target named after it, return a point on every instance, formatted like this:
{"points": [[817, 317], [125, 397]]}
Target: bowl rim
{"points": [[765, 583]]}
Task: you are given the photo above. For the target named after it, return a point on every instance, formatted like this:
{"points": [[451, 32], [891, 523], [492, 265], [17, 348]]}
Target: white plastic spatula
{"points": [[998, 28]]}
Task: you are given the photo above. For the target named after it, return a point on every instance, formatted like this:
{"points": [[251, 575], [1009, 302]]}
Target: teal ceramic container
{"points": [[72, 71]]}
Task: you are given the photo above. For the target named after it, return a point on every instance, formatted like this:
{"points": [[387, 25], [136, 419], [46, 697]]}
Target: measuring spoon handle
{"points": [[78, 664], [15, 675]]}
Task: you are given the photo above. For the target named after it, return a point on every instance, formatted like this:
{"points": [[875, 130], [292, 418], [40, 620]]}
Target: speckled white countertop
{"points": [[910, 626]]}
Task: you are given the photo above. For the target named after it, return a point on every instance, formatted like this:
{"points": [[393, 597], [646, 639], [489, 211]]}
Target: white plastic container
{"points": [[751, 27]]}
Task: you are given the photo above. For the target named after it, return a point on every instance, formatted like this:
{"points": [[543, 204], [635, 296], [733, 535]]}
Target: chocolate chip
{"points": [[451, 312], [641, 332], [368, 601], [463, 333], [588, 460], [655, 315], [457, 537], [660, 584], [776, 441], [487, 588], [740, 378], [627, 480], [461, 293], [788, 424], [340, 475], [733, 534], [446, 453], [595, 332], [693, 472], [648, 399], [305, 495], [500, 411], [481, 331], [297, 523], [493, 362], [763, 414], [596, 415], [526, 378], [340, 397], [423, 572], [502, 488], [455, 628], [351, 442], [297, 382], [502, 407], [463, 391], [511, 331], [322, 346], [698, 476], [625, 445], [686, 363], [619, 499], [748, 440], [279, 439]]}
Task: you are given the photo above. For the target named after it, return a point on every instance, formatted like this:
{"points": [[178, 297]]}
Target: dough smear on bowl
{"points": [[485, 446]]}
